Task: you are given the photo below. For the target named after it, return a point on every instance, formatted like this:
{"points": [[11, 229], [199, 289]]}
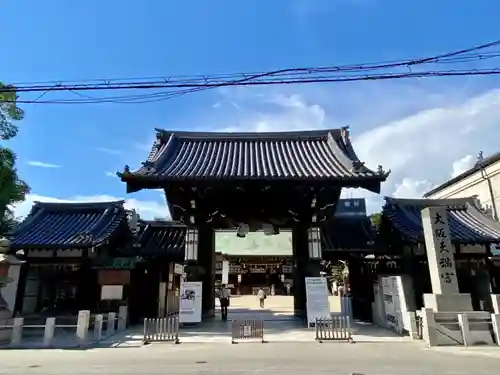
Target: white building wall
{"points": [[475, 185]]}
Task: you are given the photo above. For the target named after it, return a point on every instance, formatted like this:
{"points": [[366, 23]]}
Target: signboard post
{"points": [[317, 299], [190, 302]]}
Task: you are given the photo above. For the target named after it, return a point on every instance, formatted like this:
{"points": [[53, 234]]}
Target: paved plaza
{"points": [[290, 350], [268, 359]]}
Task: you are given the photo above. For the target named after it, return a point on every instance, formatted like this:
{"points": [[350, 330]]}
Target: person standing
{"points": [[261, 295], [224, 301]]}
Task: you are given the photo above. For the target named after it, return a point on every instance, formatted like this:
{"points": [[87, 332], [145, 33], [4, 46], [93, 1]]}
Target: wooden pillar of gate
{"points": [[300, 261], [206, 256]]}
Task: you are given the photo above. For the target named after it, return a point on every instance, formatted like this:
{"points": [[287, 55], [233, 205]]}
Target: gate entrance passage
{"points": [[249, 182]]}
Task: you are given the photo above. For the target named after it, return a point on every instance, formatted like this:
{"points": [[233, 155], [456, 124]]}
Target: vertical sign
{"points": [[440, 254], [190, 302]]}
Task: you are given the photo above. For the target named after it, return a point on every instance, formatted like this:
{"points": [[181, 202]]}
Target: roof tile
{"points": [[348, 233], [324, 154], [467, 224], [68, 225], [160, 238]]}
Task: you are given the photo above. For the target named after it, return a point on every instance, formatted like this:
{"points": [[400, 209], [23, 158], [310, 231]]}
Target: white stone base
{"points": [[5, 319], [448, 302], [495, 300]]}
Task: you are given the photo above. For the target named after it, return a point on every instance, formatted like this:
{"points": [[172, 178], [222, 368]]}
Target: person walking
{"points": [[224, 301], [261, 295]]}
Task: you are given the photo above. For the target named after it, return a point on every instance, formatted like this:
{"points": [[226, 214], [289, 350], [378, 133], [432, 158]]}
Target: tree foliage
{"points": [[376, 218], [9, 112], [12, 188]]}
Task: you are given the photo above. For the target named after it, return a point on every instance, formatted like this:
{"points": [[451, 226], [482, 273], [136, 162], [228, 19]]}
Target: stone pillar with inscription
{"points": [[441, 260]]}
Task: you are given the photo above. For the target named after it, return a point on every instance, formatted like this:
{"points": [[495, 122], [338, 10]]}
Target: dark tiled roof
{"points": [[68, 225], [320, 155], [468, 225], [161, 238], [480, 164], [348, 233]]}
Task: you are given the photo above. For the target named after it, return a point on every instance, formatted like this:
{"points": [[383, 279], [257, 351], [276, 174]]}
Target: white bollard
{"points": [[463, 322], [122, 317], [98, 320], [495, 321], [82, 325], [17, 331], [428, 327], [412, 318], [48, 335], [110, 326]]}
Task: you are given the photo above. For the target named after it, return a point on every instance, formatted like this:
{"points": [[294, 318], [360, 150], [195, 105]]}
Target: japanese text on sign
{"points": [[445, 259], [440, 251]]}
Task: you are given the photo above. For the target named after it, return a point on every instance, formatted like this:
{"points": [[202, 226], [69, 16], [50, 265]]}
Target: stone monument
{"points": [[441, 260]]}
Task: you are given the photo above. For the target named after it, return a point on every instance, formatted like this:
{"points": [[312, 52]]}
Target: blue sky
{"points": [[68, 152]]}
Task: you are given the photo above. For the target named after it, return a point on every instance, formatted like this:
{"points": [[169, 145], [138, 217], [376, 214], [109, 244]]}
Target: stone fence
{"points": [[455, 328], [89, 328]]}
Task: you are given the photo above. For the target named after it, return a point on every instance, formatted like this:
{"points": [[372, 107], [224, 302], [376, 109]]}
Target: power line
{"points": [[182, 89], [182, 85]]}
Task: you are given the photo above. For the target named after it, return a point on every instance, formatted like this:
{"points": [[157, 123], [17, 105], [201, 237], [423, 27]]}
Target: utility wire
{"points": [[182, 89], [182, 85], [233, 79]]}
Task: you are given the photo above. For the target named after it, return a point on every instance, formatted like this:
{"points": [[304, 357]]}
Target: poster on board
{"points": [[190, 302], [317, 299], [390, 293]]}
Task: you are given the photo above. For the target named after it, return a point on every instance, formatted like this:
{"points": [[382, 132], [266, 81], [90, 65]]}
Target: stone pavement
{"points": [[279, 326], [244, 359]]}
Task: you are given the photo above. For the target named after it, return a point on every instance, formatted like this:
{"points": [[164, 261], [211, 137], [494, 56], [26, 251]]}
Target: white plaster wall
{"points": [[10, 290], [475, 185]]}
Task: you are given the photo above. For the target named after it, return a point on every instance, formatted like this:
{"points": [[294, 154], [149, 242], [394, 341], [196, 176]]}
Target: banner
{"points": [[190, 302], [317, 299]]}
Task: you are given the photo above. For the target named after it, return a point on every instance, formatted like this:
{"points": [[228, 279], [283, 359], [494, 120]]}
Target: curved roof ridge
{"points": [[163, 223], [423, 202], [484, 219], [78, 205], [296, 134]]}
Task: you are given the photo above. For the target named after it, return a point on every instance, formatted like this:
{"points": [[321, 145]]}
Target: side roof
{"points": [[468, 225], [68, 225], [162, 239], [348, 233], [319, 155], [480, 164]]}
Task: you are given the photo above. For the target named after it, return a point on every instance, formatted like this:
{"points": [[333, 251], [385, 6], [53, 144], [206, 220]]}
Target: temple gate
{"points": [[249, 182]]}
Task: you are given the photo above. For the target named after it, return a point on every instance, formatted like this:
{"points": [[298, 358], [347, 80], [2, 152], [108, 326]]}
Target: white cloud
{"points": [[110, 174], [424, 146], [461, 165], [41, 164], [411, 188], [418, 132], [109, 151], [147, 209]]}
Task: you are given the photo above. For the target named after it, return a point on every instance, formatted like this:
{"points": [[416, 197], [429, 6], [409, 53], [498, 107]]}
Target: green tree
{"points": [[376, 218], [12, 188]]}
